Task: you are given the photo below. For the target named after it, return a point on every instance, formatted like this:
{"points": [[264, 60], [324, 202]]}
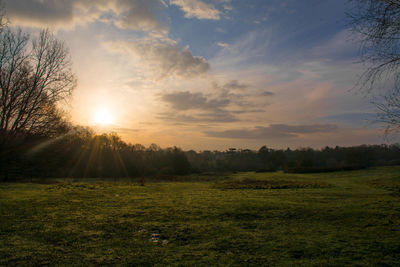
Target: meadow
{"points": [[348, 218]]}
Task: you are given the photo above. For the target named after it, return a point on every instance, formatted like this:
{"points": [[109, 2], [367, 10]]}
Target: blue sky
{"points": [[212, 74]]}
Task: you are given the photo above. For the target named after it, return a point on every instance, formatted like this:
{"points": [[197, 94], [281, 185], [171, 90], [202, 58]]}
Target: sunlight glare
{"points": [[102, 117]]}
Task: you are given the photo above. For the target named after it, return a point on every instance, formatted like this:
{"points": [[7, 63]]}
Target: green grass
{"points": [[331, 219]]}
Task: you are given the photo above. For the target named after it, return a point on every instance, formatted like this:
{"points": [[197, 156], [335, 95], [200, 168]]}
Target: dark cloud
{"points": [[201, 107], [125, 14], [231, 85], [235, 85], [46, 11], [273, 131], [139, 17], [237, 92], [187, 100], [198, 107], [217, 116], [268, 93], [245, 111]]}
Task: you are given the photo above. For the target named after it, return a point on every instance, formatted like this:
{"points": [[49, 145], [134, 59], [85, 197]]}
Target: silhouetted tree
{"points": [[33, 79], [389, 110], [35, 75], [377, 23]]}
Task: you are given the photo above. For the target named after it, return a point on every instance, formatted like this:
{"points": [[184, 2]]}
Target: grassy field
{"points": [[246, 219]]}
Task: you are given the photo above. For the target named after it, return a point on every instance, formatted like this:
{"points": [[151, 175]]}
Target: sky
{"points": [[211, 74]]}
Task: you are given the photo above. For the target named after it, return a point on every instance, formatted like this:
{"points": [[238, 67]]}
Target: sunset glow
{"points": [[103, 117], [251, 75]]}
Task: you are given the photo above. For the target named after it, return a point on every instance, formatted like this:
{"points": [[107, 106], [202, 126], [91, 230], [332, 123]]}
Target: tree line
{"points": [[301, 160], [80, 153]]}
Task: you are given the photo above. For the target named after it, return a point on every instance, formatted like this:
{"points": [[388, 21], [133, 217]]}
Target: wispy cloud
{"points": [[273, 131], [217, 116], [232, 85], [187, 100], [354, 118], [197, 9], [221, 44]]}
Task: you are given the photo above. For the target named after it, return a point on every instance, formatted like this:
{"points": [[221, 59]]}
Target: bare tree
{"points": [[34, 77], [377, 23], [389, 111]]}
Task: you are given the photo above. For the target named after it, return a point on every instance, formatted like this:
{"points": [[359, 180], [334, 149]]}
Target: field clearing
{"points": [[246, 219]]}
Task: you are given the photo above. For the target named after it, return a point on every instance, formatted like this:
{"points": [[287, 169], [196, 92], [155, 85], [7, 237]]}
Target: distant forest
{"points": [[80, 153]]}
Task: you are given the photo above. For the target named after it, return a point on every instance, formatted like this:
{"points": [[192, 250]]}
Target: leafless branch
{"points": [[32, 82]]}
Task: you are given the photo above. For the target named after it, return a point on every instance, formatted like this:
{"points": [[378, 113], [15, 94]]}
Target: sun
{"points": [[103, 117]]}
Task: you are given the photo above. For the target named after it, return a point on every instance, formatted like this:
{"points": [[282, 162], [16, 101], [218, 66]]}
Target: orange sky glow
{"points": [[210, 74]]}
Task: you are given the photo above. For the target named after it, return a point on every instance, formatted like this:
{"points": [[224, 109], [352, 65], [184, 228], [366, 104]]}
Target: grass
{"points": [[249, 183], [246, 219]]}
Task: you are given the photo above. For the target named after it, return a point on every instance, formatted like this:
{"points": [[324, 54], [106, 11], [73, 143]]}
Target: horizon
{"points": [[210, 75]]}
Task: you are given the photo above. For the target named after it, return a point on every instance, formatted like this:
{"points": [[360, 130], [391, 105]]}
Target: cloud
{"points": [[187, 100], [246, 111], [273, 131], [139, 17], [164, 57], [267, 93], [244, 96], [125, 130], [354, 118], [222, 44], [228, 7], [220, 107], [125, 14], [217, 116], [197, 9], [38, 12], [341, 46], [234, 85], [190, 107]]}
